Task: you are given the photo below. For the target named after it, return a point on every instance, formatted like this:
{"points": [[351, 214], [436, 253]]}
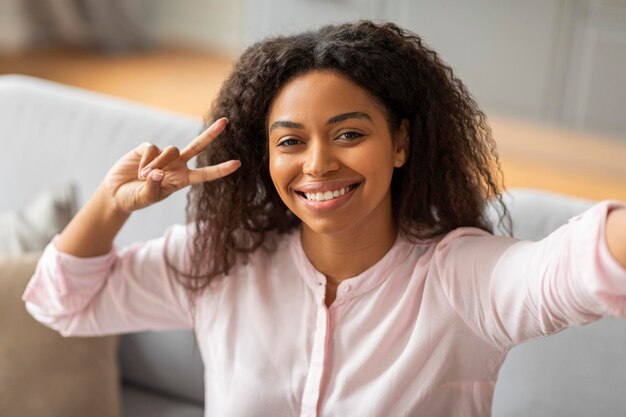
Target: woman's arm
{"points": [[512, 291], [92, 231], [83, 287], [139, 179], [127, 291], [616, 234]]}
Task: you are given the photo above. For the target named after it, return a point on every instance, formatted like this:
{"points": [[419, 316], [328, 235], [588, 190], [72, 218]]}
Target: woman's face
{"points": [[331, 154]]}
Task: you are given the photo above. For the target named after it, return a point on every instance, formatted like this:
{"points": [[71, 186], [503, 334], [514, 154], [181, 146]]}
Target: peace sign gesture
{"points": [[148, 174]]}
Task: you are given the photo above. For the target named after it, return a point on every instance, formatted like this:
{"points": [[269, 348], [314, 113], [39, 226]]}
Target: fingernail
{"points": [[157, 175], [144, 172], [222, 122]]}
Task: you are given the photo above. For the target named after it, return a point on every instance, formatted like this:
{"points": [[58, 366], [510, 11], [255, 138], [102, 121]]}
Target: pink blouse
{"points": [[422, 332]]}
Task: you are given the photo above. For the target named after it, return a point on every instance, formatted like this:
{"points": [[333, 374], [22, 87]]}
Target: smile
{"points": [[329, 195], [328, 199]]}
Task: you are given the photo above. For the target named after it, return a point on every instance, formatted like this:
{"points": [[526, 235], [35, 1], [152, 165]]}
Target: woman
{"points": [[338, 263]]}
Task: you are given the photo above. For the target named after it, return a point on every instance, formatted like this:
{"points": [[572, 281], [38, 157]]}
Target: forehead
{"points": [[321, 94]]}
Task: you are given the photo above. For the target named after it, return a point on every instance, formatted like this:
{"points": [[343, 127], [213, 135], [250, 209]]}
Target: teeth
{"points": [[327, 195]]}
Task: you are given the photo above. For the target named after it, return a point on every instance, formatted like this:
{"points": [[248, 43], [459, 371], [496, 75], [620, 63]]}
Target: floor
{"points": [[186, 81], [183, 81]]}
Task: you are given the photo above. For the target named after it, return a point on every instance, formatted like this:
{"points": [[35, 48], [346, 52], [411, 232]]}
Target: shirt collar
{"points": [[359, 284]]}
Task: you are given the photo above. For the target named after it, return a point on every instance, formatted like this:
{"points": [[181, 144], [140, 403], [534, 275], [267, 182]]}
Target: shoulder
{"points": [[444, 243], [469, 236], [180, 233], [468, 246]]}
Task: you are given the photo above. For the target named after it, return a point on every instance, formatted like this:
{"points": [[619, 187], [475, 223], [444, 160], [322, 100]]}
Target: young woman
{"points": [[338, 262]]}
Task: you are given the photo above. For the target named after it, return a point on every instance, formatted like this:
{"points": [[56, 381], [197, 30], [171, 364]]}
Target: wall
{"points": [[14, 30], [213, 24], [554, 61], [595, 88], [559, 62]]}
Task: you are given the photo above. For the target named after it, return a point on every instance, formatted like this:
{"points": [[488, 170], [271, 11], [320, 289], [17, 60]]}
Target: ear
{"points": [[401, 143]]}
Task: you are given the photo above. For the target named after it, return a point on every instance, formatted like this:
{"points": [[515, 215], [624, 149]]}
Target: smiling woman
{"points": [[331, 159], [427, 114], [337, 260]]}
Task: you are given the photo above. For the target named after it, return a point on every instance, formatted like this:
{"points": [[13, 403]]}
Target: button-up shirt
{"points": [[423, 332]]}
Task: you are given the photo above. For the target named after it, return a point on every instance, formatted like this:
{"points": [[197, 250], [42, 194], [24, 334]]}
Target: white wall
{"points": [[209, 24], [553, 61], [595, 89], [504, 51], [280, 17]]}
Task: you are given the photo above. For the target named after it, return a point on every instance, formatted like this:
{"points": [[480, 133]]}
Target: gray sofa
{"points": [[75, 135]]}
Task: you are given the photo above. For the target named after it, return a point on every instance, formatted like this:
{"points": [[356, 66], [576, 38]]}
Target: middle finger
{"points": [[148, 153], [169, 154]]}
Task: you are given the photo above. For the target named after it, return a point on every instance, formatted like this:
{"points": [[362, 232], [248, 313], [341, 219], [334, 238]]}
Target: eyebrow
{"points": [[335, 119], [351, 115]]}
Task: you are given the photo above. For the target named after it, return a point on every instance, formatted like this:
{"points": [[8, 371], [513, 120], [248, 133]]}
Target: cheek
{"points": [[376, 163], [281, 170]]}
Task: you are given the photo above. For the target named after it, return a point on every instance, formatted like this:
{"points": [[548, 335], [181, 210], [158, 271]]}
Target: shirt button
{"points": [[347, 288]]}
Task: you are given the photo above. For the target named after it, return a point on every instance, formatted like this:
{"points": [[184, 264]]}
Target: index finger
{"points": [[198, 144]]}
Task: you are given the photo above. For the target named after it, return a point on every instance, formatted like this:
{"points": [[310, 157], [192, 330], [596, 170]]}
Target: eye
{"points": [[287, 142], [351, 136]]}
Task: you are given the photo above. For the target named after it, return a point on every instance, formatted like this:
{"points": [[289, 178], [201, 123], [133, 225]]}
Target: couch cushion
{"points": [[164, 361], [139, 402], [578, 372], [43, 373]]}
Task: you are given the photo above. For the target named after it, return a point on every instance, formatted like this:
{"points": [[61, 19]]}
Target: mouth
{"points": [[327, 195]]}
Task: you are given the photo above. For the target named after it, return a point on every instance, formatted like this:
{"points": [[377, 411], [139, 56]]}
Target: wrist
{"points": [[105, 199], [616, 234], [92, 231]]}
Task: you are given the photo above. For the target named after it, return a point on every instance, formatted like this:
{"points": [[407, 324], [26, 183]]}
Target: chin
{"points": [[327, 227]]}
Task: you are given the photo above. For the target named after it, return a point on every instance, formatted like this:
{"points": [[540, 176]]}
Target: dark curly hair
{"points": [[452, 167]]}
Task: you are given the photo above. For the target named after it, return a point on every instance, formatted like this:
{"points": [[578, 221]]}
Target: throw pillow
{"points": [[43, 373], [31, 228]]}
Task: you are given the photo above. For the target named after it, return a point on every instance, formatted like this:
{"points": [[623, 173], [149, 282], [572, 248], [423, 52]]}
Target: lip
{"points": [[328, 205], [320, 187]]}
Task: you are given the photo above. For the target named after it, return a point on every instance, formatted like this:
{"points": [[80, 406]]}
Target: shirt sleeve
{"points": [[511, 291], [132, 290]]}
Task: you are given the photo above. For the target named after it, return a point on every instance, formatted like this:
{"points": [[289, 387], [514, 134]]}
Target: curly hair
{"points": [[452, 167]]}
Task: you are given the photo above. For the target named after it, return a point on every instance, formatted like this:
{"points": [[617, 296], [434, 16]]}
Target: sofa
{"points": [[55, 137]]}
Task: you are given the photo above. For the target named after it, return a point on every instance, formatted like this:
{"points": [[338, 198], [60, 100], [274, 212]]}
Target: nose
{"points": [[319, 159]]}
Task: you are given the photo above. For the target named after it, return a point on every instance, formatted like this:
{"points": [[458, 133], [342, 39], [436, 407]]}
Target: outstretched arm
{"points": [[512, 291], [616, 234]]}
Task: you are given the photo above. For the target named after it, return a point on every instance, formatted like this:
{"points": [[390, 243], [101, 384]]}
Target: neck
{"points": [[345, 255]]}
